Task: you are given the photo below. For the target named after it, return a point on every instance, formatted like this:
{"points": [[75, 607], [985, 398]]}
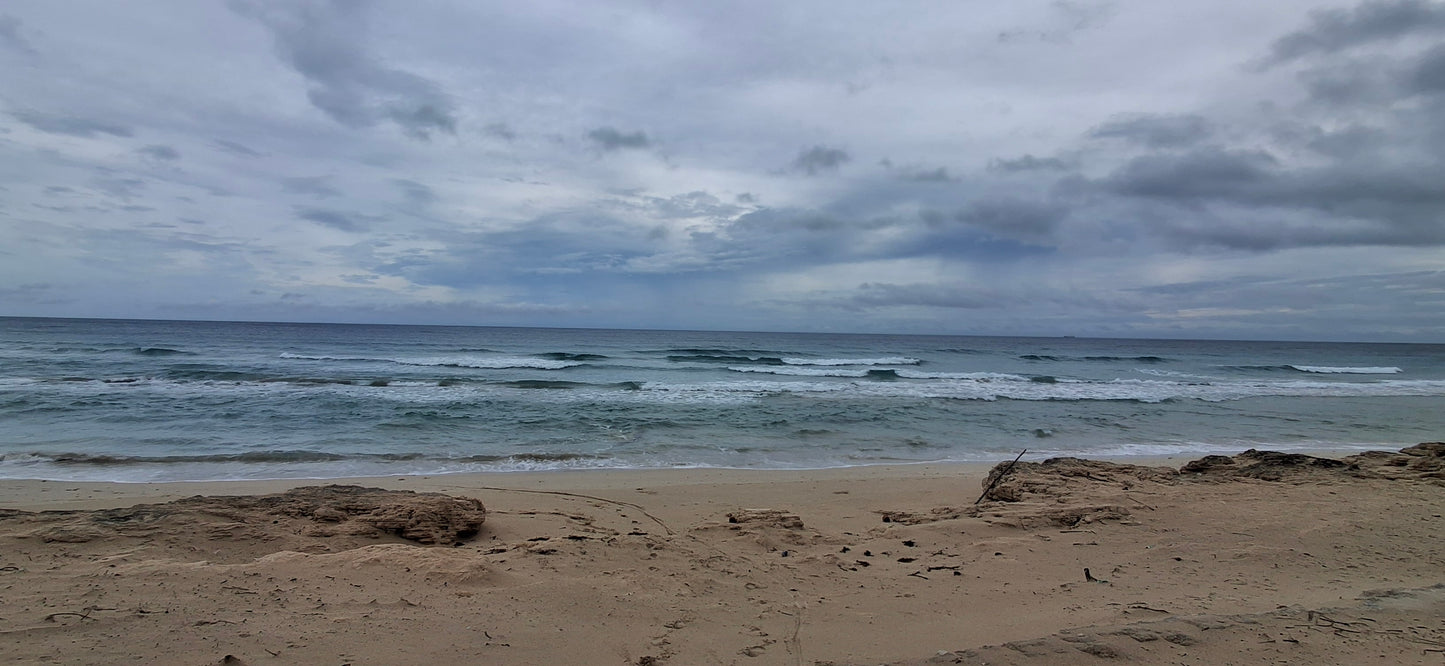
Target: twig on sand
{"points": [[51, 617], [1131, 499], [84, 614], [1000, 476]]}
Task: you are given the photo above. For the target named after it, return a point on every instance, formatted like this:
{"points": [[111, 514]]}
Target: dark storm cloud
{"points": [[820, 158], [1339, 29], [1341, 84], [609, 138], [70, 125], [322, 42], [1428, 75], [1155, 131], [1014, 218], [1204, 173], [1248, 199], [334, 219], [1370, 131], [11, 38], [160, 152]]}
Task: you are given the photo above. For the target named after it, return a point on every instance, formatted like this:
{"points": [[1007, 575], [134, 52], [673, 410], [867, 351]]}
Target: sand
{"points": [[1243, 560]]}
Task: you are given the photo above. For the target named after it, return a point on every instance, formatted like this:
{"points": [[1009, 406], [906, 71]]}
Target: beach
{"points": [[1238, 560]]}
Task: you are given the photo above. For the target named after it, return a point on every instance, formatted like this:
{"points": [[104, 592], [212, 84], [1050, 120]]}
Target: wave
{"points": [[716, 351], [869, 383], [1366, 370], [724, 358], [202, 373], [794, 371], [766, 357], [161, 351], [885, 360], [1319, 369], [568, 356], [565, 385], [976, 376], [473, 362], [1048, 388], [1100, 359], [278, 456]]}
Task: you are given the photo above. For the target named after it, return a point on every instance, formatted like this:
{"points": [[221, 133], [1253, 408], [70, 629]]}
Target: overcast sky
{"points": [[1191, 168]]}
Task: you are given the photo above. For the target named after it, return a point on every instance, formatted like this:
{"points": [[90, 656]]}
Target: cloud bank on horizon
{"points": [[1054, 167]]}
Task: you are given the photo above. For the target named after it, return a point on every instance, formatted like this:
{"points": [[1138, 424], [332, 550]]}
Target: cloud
{"points": [[334, 219], [500, 130], [1155, 131], [609, 139], [235, 148], [70, 125], [1027, 163], [994, 207], [159, 152], [323, 42], [38, 293], [416, 193], [315, 186], [950, 296], [1199, 174], [820, 158], [1249, 199], [11, 38], [1370, 22], [938, 175], [1066, 18], [1428, 75], [118, 186], [1014, 218]]}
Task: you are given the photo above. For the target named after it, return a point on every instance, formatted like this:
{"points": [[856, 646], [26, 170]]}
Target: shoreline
{"points": [[862, 565], [1159, 458], [48, 494]]}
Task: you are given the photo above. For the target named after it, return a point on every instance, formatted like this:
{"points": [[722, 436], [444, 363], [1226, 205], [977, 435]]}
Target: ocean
{"points": [[142, 401]]}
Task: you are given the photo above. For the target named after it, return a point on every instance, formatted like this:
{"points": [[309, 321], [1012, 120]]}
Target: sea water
{"points": [[167, 400]]}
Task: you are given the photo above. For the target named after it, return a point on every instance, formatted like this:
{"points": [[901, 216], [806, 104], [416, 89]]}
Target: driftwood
{"points": [[1000, 476]]}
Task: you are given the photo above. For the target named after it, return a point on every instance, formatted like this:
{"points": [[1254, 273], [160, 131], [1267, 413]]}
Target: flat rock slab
{"points": [[292, 520]]}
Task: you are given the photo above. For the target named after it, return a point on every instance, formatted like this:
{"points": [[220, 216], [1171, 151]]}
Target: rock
{"points": [[323, 511], [1057, 476]]}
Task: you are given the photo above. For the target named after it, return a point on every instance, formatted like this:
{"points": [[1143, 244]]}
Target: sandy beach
{"points": [[1250, 559]]}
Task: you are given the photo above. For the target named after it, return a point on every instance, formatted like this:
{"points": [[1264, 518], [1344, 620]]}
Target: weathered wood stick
{"points": [[1000, 476]]}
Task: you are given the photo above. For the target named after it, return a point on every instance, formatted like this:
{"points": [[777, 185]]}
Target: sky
{"points": [[1131, 168]]}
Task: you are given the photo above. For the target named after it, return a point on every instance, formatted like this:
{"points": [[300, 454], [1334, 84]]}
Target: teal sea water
{"points": [[165, 400]]}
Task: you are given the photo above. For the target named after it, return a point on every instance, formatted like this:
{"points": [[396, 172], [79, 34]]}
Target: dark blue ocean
{"points": [[166, 400]]}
